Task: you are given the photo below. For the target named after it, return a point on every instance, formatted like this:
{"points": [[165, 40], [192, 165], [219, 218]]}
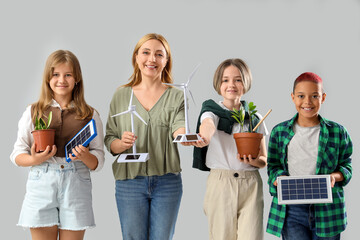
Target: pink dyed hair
{"points": [[307, 76]]}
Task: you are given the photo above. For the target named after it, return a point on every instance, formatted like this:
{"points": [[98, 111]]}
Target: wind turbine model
{"points": [[187, 137], [132, 157]]}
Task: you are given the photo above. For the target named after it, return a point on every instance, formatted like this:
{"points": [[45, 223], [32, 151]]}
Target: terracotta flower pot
{"points": [[248, 143], [43, 138]]}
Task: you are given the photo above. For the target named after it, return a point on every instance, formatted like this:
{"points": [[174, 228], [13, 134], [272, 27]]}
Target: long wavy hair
{"points": [[166, 76], [82, 109]]}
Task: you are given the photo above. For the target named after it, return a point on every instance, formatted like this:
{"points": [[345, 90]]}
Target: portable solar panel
{"points": [[187, 138], [83, 137], [304, 189], [132, 157]]}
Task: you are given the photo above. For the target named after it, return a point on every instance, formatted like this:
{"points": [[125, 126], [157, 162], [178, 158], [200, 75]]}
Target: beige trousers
{"points": [[234, 205]]}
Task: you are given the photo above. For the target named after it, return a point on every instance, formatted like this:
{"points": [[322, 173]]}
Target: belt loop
{"points": [[46, 167], [219, 174], [73, 166]]}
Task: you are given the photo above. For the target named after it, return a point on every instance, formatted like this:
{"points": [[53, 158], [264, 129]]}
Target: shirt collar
{"points": [[221, 104], [323, 121], [54, 103]]}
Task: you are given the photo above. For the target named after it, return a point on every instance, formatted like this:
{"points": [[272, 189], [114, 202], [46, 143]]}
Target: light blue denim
{"points": [[148, 206], [58, 194], [300, 224]]}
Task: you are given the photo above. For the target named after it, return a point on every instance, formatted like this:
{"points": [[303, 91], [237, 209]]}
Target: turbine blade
{"points": [[136, 114], [193, 73], [131, 97], [120, 113], [191, 95]]}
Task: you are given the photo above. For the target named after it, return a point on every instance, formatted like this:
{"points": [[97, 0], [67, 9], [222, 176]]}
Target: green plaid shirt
{"points": [[335, 149]]}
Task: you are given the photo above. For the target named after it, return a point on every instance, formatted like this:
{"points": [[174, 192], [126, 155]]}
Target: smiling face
{"points": [[151, 59], [308, 97], [231, 87], [62, 82]]}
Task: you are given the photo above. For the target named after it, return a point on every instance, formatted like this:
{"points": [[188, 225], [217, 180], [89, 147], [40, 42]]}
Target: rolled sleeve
{"points": [[24, 139], [275, 167], [346, 149], [112, 131], [209, 115], [97, 145]]}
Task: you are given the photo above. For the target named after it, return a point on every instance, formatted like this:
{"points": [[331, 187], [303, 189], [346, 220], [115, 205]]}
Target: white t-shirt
{"points": [[25, 139], [303, 150], [222, 151]]}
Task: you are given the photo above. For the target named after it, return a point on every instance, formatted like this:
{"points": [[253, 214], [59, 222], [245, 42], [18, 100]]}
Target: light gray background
{"points": [[279, 39]]}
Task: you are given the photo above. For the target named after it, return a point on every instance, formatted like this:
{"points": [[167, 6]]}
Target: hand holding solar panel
{"points": [[83, 137], [134, 157], [187, 137]]}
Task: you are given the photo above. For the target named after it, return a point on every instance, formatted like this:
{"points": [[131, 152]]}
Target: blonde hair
{"points": [[166, 77], [82, 109], [246, 77]]}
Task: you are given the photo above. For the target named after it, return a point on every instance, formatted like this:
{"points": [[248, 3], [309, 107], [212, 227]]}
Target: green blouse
{"points": [[155, 138]]}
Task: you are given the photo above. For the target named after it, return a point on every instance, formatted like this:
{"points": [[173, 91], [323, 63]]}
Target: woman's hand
{"points": [[38, 158], [127, 140], [120, 145]]}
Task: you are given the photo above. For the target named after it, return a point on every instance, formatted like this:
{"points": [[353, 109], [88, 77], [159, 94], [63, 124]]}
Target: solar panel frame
{"points": [[310, 189], [83, 137]]}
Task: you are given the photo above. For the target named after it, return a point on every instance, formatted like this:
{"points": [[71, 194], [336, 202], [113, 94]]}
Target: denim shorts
{"points": [[58, 194]]}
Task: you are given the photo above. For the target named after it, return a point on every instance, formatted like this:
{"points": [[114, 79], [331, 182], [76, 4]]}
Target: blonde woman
{"points": [[58, 200], [148, 193]]}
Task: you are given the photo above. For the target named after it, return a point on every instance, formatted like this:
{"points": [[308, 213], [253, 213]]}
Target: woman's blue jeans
{"points": [[148, 206], [300, 224]]}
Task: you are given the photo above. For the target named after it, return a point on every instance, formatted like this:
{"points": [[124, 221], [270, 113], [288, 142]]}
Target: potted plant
{"points": [[247, 143], [43, 136]]}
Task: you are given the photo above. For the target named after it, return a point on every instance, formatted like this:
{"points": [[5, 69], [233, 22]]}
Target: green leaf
{"points": [[49, 120], [242, 117], [42, 124], [37, 124], [235, 118], [253, 112]]}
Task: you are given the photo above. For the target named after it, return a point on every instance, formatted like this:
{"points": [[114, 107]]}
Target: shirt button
{"points": [[62, 166], [236, 174]]}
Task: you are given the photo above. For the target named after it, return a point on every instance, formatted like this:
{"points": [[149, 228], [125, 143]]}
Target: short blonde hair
{"points": [[246, 77], [166, 75], [46, 94]]}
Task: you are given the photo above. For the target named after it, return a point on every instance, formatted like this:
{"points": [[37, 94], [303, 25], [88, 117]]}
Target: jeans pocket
{"points": [[35, 174], [83, 174]]}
